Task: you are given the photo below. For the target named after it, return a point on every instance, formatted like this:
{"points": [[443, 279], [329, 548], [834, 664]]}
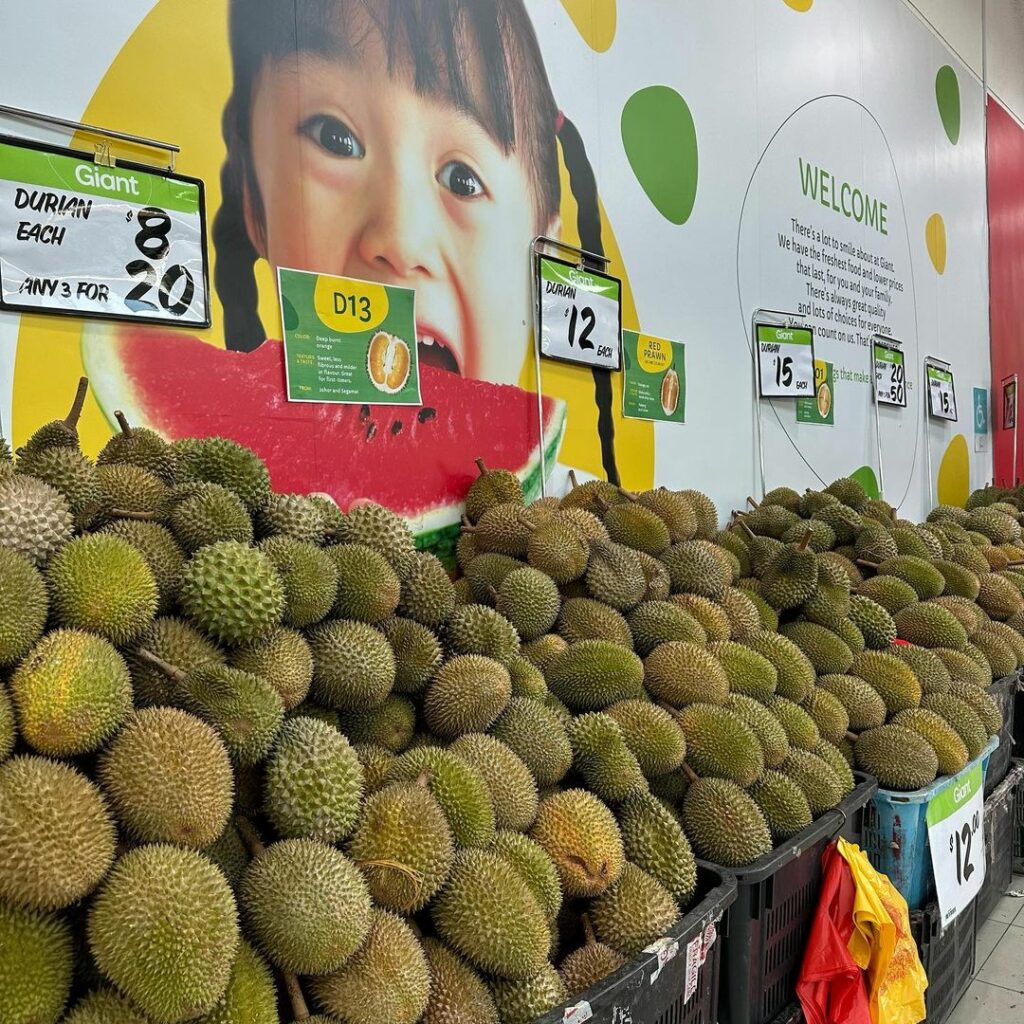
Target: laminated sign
{"points": [[580, 314], [76, 237], [785, 361], [941, 393], [956, 836], [890, 373]]}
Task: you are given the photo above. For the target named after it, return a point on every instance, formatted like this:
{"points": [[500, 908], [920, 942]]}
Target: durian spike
{"points": [[251, 838]]}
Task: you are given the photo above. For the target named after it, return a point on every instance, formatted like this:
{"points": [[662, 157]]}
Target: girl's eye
{"points": [[333, 135], [461, 180]]}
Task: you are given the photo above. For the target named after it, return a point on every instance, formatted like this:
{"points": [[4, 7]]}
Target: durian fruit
{"points": [[801, 730], [898, 757], [475, 629], [720, 744], [929, 668], [838, 760], [403, 846], [962, 717], [492, 487], [705, 513], [306, 905], [826, 652], [724, 824], [488, 913], [845, 521], [390, 724], [161, 552], [387, 981], [930, 625], [173, 642], [944, 739], [711, 615], [615, 576], [864, 707], [636, 526], [875, 543], [791, 577], [744, 614], [557, 550], [284, 659], [230, 854], [142, 447], [581, 837], [815, 777], [244, 708], [795, 672], [926, 580], [527, 679], [417, 652], [467, 694], [368, 588], [71, 693], [535, 734], [633, 912], [891, 678], [35, 518], [105, 1006], [694, 568], [998, 598], [503, 529], [876, 625], [103, 585], [651, 734], [513, 789], [207, 513], [588, 964], [543, 652], [602, 759], [588, 526], [748, 672], [164, 929], [376, 762], [1008, 635], [654, 841], [783, 804], [962, 668], [458, 995], [313, 782], [68, 471], [523, 1000], [592, 674], [35, 966], [487, 572], [890, 593], [61, 433], [460, 790], [829, 714], [132, 493], [765, 726], [532, 862], [232, 592], [219, 460], [680, 673], [530, 601], [353, 665], [8, 730], [656, 622], [583, 618], [981, 704], [427, 595], [251, 996], [23, 606], [309, 577], [56, 834], [998, 654], [168, 778], [290, 515]]}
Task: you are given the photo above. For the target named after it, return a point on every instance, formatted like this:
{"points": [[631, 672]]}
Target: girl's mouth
{"points": [[435, 350]]}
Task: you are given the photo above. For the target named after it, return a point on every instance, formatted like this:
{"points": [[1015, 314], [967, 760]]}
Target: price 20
{"points": [[961, 843], [152, 242], [897, 383]]}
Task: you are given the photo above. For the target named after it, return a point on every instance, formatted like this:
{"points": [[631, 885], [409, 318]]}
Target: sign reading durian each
{"points": [[654, 378], [785, 361], [941, 391], [348, 341]]}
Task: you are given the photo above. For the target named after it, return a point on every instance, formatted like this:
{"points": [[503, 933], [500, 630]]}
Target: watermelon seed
{"points": [[364, 412], [426, 413], [396, 427], [370, 431]]}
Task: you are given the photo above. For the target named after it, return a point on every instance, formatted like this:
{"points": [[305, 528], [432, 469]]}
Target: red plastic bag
{"points": [[831, 986]]}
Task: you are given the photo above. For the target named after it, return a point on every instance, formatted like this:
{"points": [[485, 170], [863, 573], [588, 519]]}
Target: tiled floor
{"points": [[996, 995]]}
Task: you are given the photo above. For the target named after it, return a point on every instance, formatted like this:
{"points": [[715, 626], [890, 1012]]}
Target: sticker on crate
{"points": [[578, 1014], [696, 955], [666, 949]]}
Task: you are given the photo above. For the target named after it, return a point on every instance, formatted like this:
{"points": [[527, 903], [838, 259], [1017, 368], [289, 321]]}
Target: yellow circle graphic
{"points": [[349, 306], [803, 6], [954, 484], [935, 240], [594, 20], [653, 354]]}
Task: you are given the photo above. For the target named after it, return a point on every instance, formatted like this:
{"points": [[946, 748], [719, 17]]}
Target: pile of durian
{"points": [[260, 758]]}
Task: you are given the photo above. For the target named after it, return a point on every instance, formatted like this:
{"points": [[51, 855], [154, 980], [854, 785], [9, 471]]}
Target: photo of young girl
{"points": [[406, 142]]}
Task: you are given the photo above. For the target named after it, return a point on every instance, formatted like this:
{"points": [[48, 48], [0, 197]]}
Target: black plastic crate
{"points": [[766, 930], [651, 988], [947, 956], [1000, 833], [1018, 827], [1004, 692]]}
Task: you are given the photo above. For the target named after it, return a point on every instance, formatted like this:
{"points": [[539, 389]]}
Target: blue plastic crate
{"points": [[896, 833]]}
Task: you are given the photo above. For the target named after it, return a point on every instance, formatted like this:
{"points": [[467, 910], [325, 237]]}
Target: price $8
{"points": [[960, 844]]}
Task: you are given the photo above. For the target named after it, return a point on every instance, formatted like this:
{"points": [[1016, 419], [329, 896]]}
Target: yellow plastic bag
{"points": [[882, 945]]}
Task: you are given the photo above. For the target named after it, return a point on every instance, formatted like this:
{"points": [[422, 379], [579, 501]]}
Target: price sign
{"points": [[1010, 403], [785, 361], [79, 238], [580, 314], [941, 393], [956, 835], [890, 374]]}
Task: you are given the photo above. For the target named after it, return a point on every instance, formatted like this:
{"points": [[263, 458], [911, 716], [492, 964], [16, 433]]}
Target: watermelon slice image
{"points": [[417, 461]]}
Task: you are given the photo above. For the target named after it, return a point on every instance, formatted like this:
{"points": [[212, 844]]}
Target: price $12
{"points": [[961, 844]]}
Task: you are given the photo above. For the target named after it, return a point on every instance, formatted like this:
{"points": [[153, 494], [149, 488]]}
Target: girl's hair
{"points": [[481, 56]]}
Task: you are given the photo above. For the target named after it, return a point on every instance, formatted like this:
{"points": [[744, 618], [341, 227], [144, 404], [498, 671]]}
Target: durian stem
{"points": [[481, 466], [122, 422], [76, 406], [629, 495], [158, 663], [588, 930], [393, 865], [300, 1011], [870, 565], [690, 773], [804, 541], [249, 835], [743, 523], [573, 482], [142, 517], [751, 502], [852, 736]]}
